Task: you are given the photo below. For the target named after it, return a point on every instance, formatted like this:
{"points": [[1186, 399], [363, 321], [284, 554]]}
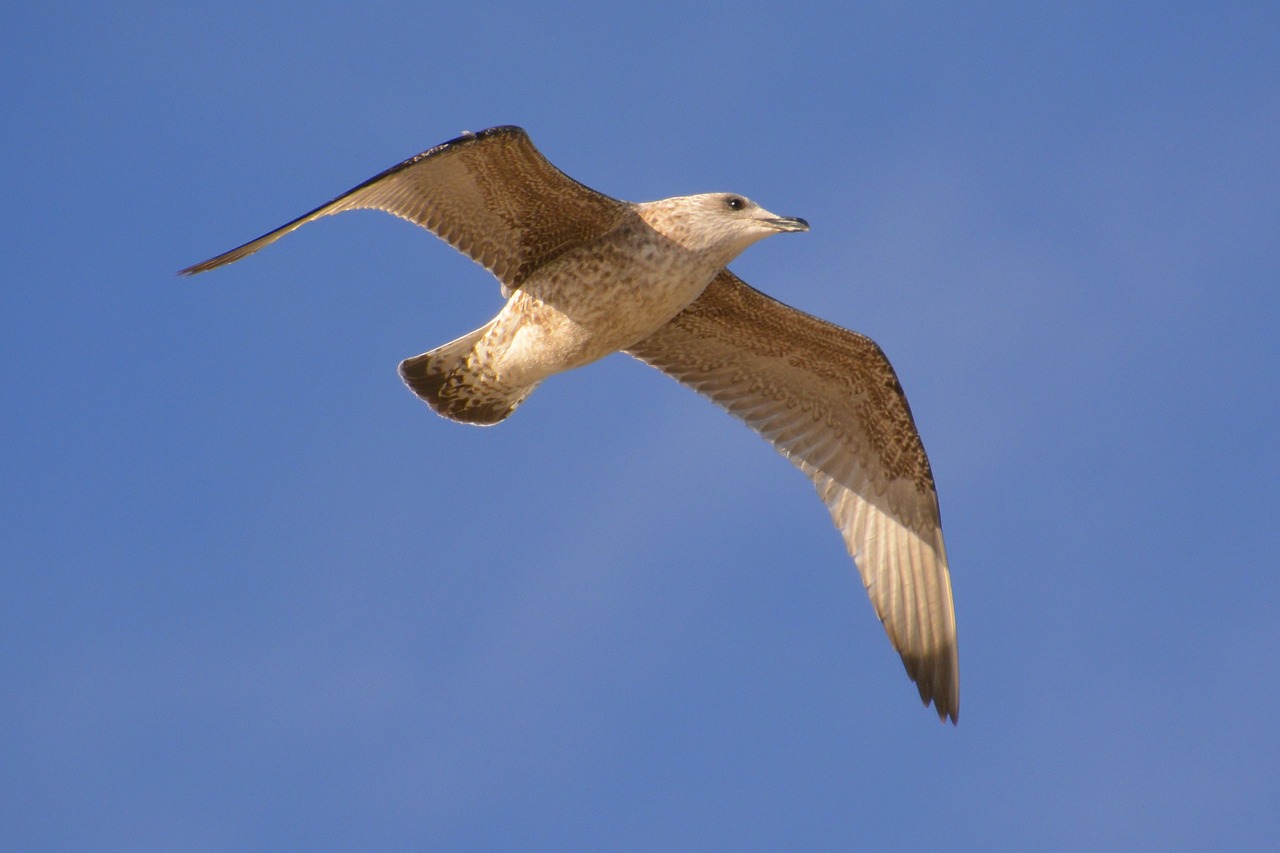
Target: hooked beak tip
{"points": [[789, 223]]}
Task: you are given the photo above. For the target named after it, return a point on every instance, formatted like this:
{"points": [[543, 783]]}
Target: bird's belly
{"points": [[573, 313]]}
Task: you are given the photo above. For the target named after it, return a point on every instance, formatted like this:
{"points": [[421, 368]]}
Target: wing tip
{"points": [[946, 710], [194, 269], [947, 704], [937, 680], [233, 255]]}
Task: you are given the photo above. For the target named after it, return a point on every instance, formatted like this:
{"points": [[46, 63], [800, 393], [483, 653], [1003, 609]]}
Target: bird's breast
{"points": [[599, 298], [623, 287]]}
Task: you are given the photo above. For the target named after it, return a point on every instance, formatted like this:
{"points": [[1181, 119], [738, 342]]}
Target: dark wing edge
{"points": [[487, 194], [829, 401]]}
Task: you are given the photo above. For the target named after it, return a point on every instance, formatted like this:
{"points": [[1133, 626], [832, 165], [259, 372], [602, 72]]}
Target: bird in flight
{"points": [[586, 275]]}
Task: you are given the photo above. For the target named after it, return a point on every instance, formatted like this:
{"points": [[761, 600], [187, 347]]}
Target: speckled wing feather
{"points": [[829, 401], [491, 195]]}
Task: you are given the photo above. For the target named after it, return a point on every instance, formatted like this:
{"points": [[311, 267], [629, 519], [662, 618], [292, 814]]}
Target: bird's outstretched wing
{"points": [[491, 195], [829, 401]]}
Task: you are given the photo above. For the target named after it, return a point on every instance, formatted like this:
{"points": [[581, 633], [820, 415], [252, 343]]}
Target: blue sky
{"points": [[257, 596]]}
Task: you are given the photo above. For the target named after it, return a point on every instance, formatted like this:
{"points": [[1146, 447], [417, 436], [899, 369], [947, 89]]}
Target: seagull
{"points": [[586, 275]]}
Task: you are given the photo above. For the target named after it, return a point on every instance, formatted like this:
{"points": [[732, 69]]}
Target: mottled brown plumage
{"points": [[491, 195], [829, 401], [587, 275]]}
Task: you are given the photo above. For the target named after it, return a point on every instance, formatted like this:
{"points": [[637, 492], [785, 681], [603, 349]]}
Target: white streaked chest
{"points": [[598, 299]]}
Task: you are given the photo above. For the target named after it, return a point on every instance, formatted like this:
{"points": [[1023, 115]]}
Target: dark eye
{"points": [[735, 203]]}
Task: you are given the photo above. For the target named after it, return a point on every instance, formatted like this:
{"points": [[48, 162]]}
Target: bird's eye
{"points": [[735, 203]]}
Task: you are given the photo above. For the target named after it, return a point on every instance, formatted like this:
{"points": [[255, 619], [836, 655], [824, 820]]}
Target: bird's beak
{"points": [[788, 223]]}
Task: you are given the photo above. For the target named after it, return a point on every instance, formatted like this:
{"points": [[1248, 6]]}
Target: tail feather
{"points": [[458, 384]]}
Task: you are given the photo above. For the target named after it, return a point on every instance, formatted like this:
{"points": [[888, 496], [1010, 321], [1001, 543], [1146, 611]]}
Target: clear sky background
{"points": [[256, 596]]}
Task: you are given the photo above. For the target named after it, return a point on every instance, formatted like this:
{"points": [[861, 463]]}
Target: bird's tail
{"points": [[458, 383]]}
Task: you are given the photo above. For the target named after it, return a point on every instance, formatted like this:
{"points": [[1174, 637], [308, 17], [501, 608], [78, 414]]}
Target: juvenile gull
{"points": [[586, 275]]}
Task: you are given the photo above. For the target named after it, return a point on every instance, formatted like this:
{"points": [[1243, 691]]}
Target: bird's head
{"points": [[722, 224]]}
